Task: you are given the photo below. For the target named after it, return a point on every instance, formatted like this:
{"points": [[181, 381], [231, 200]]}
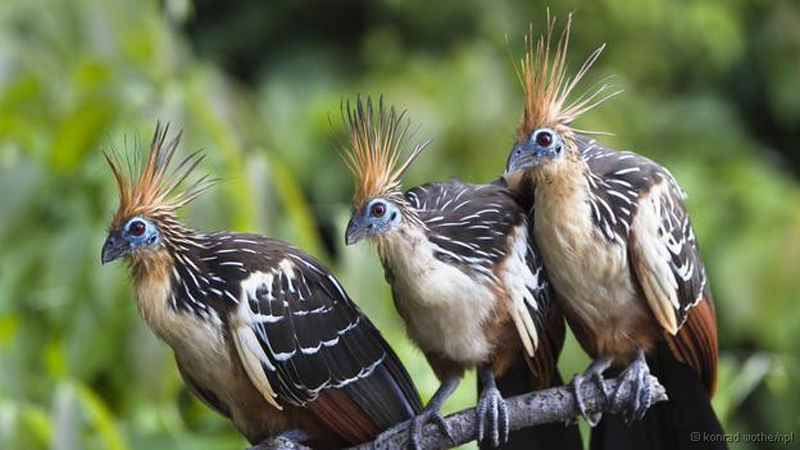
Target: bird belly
{"points": [[594, 283], [444, 308]]}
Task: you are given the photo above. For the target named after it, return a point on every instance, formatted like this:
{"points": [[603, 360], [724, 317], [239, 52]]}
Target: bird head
{"points": [[145, 222], [542, 146], [377, 141], [374, 218], [138, 234], [545, 139]]}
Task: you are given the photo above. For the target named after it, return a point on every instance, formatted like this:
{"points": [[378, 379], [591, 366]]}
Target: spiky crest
{"points": [[150, 190], [548, 87], [376, 149]]}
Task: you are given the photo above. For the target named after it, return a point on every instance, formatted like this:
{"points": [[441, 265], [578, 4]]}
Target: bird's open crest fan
{"points": [[377, 141], [152, 188], [547, 85]]}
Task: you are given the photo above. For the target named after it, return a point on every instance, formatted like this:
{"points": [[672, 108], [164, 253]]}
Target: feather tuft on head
{"points": [[152, 189], [547, 85], [375, 153]]}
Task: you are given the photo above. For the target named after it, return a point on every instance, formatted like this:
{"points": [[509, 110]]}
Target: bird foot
{"points": [[593, 374], [492, 417], [286, 440], [637, 376], [428, 415], [431, 414]]}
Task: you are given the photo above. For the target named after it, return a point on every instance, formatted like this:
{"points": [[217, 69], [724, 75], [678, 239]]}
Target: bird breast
{"points": [[591, 275], [199, 344], [444, 308]]}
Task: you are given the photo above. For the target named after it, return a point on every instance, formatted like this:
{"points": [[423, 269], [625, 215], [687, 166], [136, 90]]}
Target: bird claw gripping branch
{"points": [[491, 413], [593, 374], [636, 374]]}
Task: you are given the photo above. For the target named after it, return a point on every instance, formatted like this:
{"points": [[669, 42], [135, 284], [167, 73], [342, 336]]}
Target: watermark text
{"points": [[779, 438]]}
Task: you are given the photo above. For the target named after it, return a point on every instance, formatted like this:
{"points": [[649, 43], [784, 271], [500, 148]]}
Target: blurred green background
{"points": [[712, 91]]}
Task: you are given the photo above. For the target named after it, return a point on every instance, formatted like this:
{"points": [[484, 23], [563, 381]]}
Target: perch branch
{"points": [[536, 408]]}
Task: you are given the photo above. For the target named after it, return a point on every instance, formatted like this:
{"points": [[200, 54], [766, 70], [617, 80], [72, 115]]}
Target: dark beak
{"points": [[114, 247], [355, 231], [521, 157]]}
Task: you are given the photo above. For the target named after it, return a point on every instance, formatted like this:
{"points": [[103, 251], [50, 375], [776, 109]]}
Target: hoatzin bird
{"points": [[463, 272], [261, 331], [618, 246]]}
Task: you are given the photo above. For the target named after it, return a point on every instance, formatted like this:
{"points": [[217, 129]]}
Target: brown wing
{"points": [[544, 363], [696, 342], [548, 317], [303, 341], [667, 265]]}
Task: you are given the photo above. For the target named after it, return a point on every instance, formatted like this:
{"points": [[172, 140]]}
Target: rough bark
{"points": [[536, 408]]}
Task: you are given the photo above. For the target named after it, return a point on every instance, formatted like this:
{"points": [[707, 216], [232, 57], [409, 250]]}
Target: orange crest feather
{"points": [[150, 190], [376, 149], [547, 86]]}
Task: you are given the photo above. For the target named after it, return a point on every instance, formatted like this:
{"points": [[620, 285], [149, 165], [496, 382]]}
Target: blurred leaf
{"points": [[297, 208], [737, 381], [101, 418], [80, 132]]}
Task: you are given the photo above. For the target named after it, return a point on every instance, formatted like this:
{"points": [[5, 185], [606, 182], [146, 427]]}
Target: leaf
{"points": [[79, 132], [738, 380], [101, 417]]}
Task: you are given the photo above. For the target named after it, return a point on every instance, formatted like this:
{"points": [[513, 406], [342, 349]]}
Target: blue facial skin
{"points": [[376, 217], [136, 232], [542, 145]]}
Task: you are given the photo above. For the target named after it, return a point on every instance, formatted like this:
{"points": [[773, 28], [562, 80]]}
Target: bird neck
{"points": [[561, 213], [154, 270], [399, 244], [519, 182], [151, 272], [559, 182], [151, 265]]}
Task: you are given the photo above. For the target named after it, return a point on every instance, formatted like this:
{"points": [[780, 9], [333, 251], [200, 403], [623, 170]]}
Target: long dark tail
{"points": [[685, 421], [520, 380]]}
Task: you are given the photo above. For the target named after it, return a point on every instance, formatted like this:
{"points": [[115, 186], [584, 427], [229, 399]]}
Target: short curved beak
{"points": [[114, 247], [356, 231], [521, 157]]}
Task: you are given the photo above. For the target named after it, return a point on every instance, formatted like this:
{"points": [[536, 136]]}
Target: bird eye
{"points": [[136, 228], [544, 138], [377, 210]]}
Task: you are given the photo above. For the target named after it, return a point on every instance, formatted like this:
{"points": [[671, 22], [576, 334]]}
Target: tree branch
{"points": [[536, 408]]}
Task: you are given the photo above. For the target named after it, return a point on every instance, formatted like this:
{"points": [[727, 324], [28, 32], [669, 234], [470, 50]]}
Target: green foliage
{"points": [[710, 91]]}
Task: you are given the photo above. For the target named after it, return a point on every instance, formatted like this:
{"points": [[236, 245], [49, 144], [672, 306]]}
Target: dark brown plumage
{"points": [[465, 277], [620, 250], [262, 332]]}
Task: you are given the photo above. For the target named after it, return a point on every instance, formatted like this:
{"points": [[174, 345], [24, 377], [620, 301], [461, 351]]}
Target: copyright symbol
{"points": [[695, 436]]}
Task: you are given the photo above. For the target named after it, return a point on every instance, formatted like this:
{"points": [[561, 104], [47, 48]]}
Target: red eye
{"points": [[544, 139], [136, 228], [378, 210]]}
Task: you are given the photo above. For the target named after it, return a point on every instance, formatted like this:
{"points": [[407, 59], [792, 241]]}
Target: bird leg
{"points": [[637, 374], [594, 374], [491, 411], [431, 413]]}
